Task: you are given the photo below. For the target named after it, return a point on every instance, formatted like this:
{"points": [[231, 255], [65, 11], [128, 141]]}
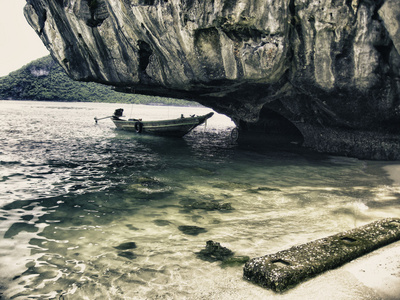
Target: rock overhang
{"points": [[331, 68]]}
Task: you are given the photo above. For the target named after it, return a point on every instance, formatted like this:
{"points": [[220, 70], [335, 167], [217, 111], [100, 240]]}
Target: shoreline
{"points": [[393, 171], [380, 269]]}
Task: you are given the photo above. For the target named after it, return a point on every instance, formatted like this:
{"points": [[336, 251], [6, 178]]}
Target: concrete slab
{"points": [[287, 268]]}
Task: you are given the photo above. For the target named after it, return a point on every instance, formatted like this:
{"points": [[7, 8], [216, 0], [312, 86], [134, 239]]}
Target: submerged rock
{"points": [[143, 190], [209, 205], [131, 227], [214, 251], [126, 246], [162, 222], [150, 182], [191, 230], [320, 72], [202, 171], [231, 185], [127, 254], [263, 189], [235, 261]]}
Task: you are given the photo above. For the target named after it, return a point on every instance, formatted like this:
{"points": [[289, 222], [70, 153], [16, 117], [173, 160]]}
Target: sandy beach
{"points": [[380, 270]]}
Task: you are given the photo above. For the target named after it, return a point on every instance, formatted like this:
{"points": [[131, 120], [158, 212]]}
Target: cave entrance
{"points": [[272, 127]]}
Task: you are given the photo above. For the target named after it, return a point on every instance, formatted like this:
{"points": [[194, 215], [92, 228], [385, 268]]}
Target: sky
{"points": [[19, 44]]}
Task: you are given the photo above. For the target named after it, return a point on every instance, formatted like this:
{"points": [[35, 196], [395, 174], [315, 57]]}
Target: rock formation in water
{"points": [[324, 71]]}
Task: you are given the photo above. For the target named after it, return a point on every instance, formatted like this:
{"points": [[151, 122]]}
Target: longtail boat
{"points": [[173, 127]]}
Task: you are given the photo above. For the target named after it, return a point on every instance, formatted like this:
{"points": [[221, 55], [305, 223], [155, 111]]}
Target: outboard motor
{"points": [[118, 113]]}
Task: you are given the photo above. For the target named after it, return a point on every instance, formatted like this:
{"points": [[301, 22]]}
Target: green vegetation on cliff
{"points": [[44, 79]]}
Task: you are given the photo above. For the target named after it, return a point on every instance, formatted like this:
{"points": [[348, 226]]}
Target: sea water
{"points": [[90, 212]]}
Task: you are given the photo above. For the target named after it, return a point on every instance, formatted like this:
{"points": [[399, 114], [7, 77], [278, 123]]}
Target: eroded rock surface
{"points": [[326, 72]]}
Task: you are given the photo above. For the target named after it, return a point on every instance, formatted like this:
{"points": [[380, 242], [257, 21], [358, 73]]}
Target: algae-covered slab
{"points": [[289, 267]]}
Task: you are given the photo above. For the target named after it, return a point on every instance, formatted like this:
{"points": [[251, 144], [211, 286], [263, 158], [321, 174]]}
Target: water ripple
{"points": [[71, 193]]}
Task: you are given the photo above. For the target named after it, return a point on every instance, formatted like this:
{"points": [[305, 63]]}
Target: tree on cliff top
{"points": [[44, 79]]}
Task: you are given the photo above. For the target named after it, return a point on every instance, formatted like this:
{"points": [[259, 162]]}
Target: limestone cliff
{"points": [[326, 71]]}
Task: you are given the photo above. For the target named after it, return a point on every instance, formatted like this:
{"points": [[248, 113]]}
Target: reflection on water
{"points": [[90, 212]]}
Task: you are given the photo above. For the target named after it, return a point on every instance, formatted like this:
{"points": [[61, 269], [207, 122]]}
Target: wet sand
{"points": [[380, 270], [393, 172]]}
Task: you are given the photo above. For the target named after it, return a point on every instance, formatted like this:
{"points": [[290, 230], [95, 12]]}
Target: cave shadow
{"points": [[272, 130]]}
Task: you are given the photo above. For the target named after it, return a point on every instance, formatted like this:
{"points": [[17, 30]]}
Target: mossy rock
{"points": [[214, 252]]}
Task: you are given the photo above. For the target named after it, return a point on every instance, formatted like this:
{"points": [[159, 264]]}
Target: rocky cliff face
{"points": [[324, 71]]}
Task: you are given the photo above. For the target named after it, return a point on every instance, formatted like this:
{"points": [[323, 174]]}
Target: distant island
{"points": [[45, 80]]}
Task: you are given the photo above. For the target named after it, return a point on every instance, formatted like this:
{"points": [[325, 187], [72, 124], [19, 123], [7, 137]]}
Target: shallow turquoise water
{"points": [[72, 192]]}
